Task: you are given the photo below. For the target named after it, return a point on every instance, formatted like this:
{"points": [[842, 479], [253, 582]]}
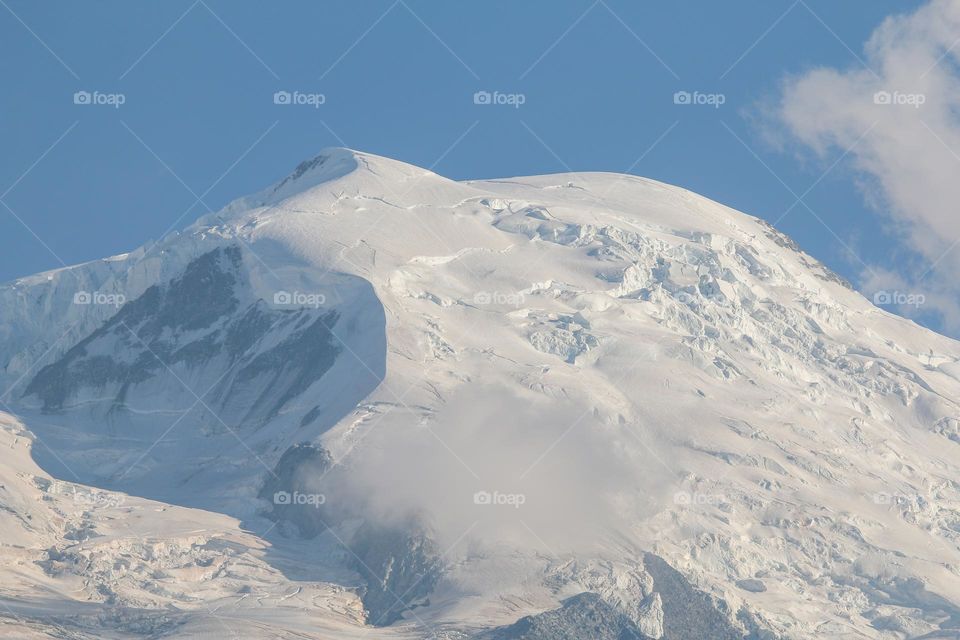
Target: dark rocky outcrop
{"points": [[688, 613], [401, 566], [585, 615], [261, 357], [298, 472]]}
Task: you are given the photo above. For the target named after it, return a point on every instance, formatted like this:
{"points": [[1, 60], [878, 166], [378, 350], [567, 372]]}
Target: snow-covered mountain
{"points": [[370, 401]]}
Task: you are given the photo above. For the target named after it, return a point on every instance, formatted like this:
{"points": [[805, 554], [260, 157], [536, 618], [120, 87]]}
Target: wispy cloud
{"points": [[910, 103], [577, 492]]}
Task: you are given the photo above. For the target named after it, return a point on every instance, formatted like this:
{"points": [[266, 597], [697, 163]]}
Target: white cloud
{"points": [[562, 488], [909, 102]]}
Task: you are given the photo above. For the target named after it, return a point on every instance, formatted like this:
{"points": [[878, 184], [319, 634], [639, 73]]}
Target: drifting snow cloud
{"points": [[898, 118], [494, 468]]}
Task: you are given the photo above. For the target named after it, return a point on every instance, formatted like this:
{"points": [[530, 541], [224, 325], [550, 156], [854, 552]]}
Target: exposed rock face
{"points": [[673, 610], [295, 475], [688, 614], [401, 566], [583, 616], [260, 358], [752, 584]]}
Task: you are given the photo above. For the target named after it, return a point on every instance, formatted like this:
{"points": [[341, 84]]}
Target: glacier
{"points": [[372, 402]]}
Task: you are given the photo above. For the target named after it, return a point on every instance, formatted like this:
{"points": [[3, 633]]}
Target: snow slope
{"points": [[84, 563], [492, 397]]}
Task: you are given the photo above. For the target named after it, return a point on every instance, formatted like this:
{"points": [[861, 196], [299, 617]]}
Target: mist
{"points": [[492, 467]]}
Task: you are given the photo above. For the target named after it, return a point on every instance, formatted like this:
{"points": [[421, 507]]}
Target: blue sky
{"points": [[198, 125]]}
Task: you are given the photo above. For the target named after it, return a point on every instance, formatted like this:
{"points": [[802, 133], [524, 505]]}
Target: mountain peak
{"points": [[339, 170], [331, 163]]}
